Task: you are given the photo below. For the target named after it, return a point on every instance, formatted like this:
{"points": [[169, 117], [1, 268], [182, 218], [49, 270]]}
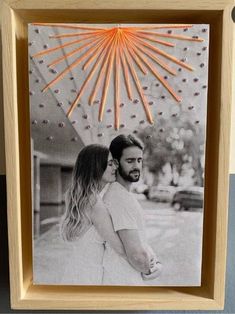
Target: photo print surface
{"points": [[118, 133]]}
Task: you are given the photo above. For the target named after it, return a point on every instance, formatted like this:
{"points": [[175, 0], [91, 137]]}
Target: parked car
{"points": [[188, 198], [161, 193]]}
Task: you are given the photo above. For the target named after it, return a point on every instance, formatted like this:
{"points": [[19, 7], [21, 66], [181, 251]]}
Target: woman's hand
{"points": [[154, 272]]}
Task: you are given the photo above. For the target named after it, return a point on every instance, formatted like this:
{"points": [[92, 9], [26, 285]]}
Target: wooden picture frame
{"points": [[25, 295]]}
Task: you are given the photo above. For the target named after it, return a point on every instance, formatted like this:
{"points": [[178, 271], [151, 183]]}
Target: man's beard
{"points": [[132, 176]]}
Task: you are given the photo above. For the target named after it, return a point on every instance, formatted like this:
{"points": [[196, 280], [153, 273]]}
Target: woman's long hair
{"points": [[86, 184]]}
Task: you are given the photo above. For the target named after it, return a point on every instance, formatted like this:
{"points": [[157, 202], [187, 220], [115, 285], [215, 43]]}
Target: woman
{"points": [[87, 223]]}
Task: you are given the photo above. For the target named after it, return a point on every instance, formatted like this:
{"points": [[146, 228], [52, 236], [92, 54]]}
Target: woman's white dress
{"points": [[85, 264]]}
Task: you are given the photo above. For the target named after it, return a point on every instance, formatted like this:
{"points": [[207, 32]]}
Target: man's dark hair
{"points": [[121, 142]]}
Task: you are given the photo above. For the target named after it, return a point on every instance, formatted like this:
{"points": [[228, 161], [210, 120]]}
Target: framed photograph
{"points": [[117, 141]]}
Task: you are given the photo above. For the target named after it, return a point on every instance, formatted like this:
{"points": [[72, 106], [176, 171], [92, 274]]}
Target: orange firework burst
{"points": [[116, 49]]}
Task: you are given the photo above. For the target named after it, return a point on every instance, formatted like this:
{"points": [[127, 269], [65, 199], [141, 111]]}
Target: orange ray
{"points": [[158, 41], [117, 87], [75, 63], [126, 75], [67, 26], [92, 42], [102, 71], [160, 78], [138, 85], [107, 77], [136, 46], [181, 37], [92, 57], [136, 58], [163, 53], [76, 34], [50, 50], [90, 75], [163, 26]]}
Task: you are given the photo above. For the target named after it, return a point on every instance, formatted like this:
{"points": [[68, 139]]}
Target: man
{"points": [[125, 210]]}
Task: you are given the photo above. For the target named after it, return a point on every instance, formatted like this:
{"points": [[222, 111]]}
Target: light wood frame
{"points": [[16, 15]]}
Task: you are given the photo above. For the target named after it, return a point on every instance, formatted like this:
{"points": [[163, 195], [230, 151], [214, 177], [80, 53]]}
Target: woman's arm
{"points": [[103, 224]]}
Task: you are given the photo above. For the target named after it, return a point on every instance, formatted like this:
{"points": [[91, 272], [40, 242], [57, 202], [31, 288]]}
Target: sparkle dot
{"points": [[53, 71], [161, 130], [71, 78], [50, 138], [109, 126], [74, 121], [196, 94], [184, 80], [190, 107], [59, 104], [202, 65], [160, 113], [163, 97], [35, 122], [185, 29], [61, 124], [204, 30], [100, 134], [135, 131], [179, 91], [78, 105], [56, 91], [165, 77], [73, 90], [148, 137], [88, 127], [151, 103], [195, 79], [157, 84], [204, 86], [122, 104], [41, 105], [169, 32], [30, 44], [142, 121], [179, 69], [30, 71], [109, 110], [198, 53], [37, 81], [174, 115], [133, 116], [183, 59], [31, 93], [122, 126], [197, 122], [185, 48], [45, 46], [204, 48], [145, 87], [74, 139], [85, 116], [37, 31], [96, 101], [136, 101], [40, 61], [45, 121], [196, 37]]}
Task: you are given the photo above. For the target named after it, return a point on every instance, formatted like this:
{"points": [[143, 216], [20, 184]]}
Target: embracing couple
{"points": [[103, 220]]}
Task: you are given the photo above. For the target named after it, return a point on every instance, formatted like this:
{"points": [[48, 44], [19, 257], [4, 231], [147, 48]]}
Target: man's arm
{"points": [[136, 252]]}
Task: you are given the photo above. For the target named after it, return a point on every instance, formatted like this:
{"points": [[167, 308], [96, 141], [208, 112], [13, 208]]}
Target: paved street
{"points": [[176, 239], [174, 236]]}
